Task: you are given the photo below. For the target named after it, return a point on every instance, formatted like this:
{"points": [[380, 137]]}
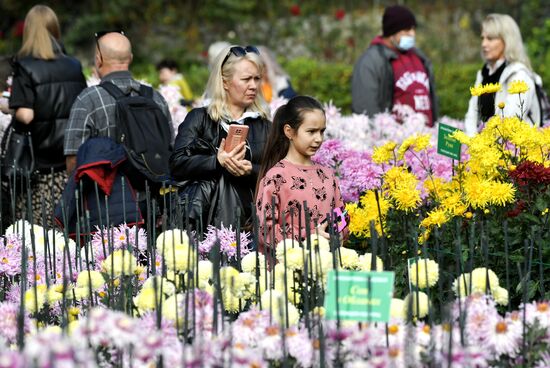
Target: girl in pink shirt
{"points": [[289, 177]]}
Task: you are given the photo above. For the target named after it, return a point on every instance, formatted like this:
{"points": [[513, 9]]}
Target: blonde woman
{"points": [[505, 61], [217, 182], [45, 84]]}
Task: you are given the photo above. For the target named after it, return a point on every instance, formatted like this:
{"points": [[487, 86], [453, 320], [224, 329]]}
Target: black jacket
{"points": [[55, 84], [208, 185], [100, 160]]}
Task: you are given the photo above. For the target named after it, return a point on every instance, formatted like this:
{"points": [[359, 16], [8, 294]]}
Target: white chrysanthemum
{"points": [[180, 258], [285, 243], [500, 295], [146, 299], [365, 262], [322, 262], [171, 238], [246, 286], [229, 277], [397, 309], [204, 273], [349, 258], [427, 272], [162, 285], [248, 263], [120, 262], [418, 309], [461, 285], [170, 308], [319, 241], [480, 282], [504, 338], [294, 258], [93, 278], [274, 300]]}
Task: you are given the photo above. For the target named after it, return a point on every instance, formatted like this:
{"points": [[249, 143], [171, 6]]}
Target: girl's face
{"points": [[307, 139], [492, 48], [242, 88]]}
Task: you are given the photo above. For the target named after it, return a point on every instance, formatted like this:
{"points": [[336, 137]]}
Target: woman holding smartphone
{"points": [[216, 181]]}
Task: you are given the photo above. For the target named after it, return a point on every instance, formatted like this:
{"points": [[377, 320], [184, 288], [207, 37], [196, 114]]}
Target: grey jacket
{"points": [[372, 81]]}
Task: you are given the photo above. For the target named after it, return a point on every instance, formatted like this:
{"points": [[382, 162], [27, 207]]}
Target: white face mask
{"points": [[406, 43]]}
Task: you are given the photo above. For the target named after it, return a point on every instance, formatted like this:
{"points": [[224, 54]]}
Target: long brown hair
{"points": [[292, 113], [41, 31]]}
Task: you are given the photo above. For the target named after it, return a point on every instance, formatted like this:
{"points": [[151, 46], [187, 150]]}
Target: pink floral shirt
{"points": [[290, 185]]}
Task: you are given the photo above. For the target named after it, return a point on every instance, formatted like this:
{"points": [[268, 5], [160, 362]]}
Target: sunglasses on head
{"points": [[240, 51], [100, 34]]}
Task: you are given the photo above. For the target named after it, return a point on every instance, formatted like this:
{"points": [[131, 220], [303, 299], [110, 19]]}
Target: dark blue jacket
{"points": [[104, 189]]}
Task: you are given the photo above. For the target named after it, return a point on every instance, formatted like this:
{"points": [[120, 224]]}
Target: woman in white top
{"points": [[505, 61]]}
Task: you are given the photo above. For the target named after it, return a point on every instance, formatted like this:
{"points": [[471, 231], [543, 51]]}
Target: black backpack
{"points": [[144, 131], [544, 103]]}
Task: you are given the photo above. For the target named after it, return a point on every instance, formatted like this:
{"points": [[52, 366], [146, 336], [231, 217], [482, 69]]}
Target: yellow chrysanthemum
{"points": [[436, 217], [517, 86], [362, 217], [401, 187], [417, 142], [502, 193], [384, 153], [479, 89], [406, 199]]}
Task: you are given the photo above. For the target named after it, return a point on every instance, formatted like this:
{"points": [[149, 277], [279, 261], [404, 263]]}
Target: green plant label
{"points": [[359, 296], [446, 145]]}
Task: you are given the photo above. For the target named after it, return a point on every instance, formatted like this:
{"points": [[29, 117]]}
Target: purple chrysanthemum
{"points": [[228, 241], [8, 321], [10, 255]]}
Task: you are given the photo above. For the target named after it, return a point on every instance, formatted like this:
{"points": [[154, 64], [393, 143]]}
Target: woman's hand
{"points": [[234, 161], [322, 230], [238, 167]]}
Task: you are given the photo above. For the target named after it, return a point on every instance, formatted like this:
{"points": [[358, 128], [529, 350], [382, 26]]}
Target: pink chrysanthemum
{"points": [[10, 255], [228, 242], [8, 321]]}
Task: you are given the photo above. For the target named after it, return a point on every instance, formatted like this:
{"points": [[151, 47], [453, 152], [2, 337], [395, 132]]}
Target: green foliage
{"points": [[325, 81], [539, 50], [453, 83]]}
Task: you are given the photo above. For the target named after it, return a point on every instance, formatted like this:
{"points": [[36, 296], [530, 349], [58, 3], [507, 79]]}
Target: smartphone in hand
{"points": [[236, 134]]}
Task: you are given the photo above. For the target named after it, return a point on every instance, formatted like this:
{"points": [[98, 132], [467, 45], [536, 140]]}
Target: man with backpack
{"points": [[118, 141], [94, 113]]}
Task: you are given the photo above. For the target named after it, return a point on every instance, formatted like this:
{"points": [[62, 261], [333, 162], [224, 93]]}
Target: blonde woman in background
{"points": [[275, 81], [505, 61], [45, 85]]}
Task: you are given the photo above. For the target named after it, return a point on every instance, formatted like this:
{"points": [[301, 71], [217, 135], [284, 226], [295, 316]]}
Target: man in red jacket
{"points": [[392, 71]]}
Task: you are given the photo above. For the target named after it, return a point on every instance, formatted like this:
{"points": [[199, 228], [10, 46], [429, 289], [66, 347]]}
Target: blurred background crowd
{"points": [[316, 42]]}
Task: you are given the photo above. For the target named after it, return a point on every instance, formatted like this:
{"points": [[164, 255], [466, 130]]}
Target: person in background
{"points": [[288, 175], [94, 111], [169, 75], [214, 50], [275, 81], [46, 81], [218, 182], [393, 71], [505, 61]]}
